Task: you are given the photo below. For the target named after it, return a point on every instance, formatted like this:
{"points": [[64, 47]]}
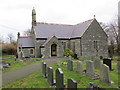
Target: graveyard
{"points": [[15, 64], [75, 72]]}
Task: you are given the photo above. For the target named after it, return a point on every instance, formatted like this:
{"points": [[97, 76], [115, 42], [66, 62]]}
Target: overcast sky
{"points": [[15, 15]]}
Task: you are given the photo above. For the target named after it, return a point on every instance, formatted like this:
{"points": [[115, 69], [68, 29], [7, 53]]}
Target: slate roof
{"points": [[45, 30], [26, 41]]}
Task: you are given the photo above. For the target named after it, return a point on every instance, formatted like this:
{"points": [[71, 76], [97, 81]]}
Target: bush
{"points": [[9, 49], [68, 52]]}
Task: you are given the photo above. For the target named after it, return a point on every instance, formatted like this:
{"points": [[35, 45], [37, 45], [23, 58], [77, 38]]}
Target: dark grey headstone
{"points": [[44, 72], [59, 78], [50, 77], [108, 62], [70, 65], [118, 67], [72, 84]]}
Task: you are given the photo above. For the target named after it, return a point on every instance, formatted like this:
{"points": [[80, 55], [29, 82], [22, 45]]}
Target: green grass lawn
{"points": [[36, 80], [18, 63]]}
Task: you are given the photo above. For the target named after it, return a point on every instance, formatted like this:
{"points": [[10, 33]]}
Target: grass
{"points": [[18, 63], [36, 80]]}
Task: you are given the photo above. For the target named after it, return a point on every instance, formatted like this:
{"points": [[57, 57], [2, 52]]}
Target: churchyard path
{"points": [[11, 76]]}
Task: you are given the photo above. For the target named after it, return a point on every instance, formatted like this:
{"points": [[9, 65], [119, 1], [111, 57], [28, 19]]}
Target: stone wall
{"points": [[94, 33], [46, 51], [77, 46]]}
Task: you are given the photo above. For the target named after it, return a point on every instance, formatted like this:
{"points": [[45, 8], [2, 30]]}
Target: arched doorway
{"points": [[53, 50]]}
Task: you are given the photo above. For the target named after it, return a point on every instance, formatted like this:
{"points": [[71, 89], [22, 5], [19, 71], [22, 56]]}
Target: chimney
{"points": [[18, 34]]}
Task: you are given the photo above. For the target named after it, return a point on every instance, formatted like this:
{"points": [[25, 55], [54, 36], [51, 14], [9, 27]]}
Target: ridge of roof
{"points": [[25, 36], [64, 24], [53, 24], [86, 21]]}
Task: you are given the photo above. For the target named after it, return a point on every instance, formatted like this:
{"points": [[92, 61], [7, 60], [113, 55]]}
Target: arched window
{"points": [[31, 51]]}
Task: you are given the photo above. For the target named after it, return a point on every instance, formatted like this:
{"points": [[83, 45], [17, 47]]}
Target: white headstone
{"points": [[104, 73]]}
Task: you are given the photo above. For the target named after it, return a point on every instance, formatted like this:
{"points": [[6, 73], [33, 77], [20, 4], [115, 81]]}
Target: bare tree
{"points": [[112, 30], [11, 37], [1, 39], [27, 32]]}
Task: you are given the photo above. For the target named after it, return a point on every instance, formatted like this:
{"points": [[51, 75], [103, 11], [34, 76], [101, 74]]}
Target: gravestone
{"points": [[90, 69], [104, 73], [118, 66], [96, 63], [108, 62], [59, 78], [79, 67], [44, 72], [70, 57], [72, 84], [50, 77], [70, 65]]}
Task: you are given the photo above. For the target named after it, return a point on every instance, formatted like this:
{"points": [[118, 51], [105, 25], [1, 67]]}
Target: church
{"points": [[86, 39]]}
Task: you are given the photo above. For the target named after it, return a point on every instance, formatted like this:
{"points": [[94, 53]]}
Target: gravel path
{"points": [[11, 76]]}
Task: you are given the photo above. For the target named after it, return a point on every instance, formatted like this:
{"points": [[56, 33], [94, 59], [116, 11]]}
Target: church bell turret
{"points": [[33, 17]]}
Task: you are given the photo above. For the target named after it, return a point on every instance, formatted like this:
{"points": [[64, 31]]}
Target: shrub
{"points": [[68, 52], [8, 49]]}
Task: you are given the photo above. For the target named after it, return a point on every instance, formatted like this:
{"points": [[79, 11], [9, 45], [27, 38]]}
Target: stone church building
{"points": [[85, 39]]}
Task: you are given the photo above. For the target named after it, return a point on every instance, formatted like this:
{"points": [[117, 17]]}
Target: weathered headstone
{"points": [[50, 77], [96, 63], [59, 78], [108, 62], [44, 72], [118, 67], [70, 65], [79, 67], [104, 73], [72, 84], [90, 69]]}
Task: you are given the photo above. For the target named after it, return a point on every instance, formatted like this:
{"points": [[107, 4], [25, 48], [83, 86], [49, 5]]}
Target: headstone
{"points": [[108, 62], [90, 69], [70, 57], [104, 73], [96, 63], [59, 78], [44, 72], [72, 84], [50, 77], [70, 65], [79, 67], [118, 67]]}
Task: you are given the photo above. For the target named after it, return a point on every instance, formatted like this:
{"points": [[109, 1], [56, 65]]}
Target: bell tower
{"points": [[33, 17]]}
